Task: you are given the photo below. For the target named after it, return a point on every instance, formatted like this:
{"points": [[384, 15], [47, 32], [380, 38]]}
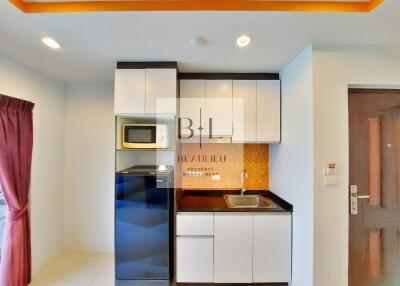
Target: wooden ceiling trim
{"points": [[372, 4], [195, 5], [19, 4]]}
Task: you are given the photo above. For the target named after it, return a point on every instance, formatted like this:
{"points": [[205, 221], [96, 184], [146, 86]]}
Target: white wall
{"points": [[47, 183], [71, 195], [291, 162], [89, 168], [333, 72]]}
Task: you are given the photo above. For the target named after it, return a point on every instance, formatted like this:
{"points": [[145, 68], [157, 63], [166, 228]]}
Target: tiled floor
{"points": [[78, 269]]}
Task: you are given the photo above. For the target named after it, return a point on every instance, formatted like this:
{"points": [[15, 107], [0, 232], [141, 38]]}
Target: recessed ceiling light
{"points": [[51, 43], [243, 41]]}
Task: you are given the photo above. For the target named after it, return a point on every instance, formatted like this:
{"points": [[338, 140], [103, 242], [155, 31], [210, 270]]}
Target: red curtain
{"points": [[16, 140]]}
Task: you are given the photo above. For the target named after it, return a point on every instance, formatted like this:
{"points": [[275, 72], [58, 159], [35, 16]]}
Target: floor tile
{"points": [[78, 269]]}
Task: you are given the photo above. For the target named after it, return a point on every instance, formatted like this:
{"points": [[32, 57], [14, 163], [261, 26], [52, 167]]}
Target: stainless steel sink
{"points": [[249, 201]]}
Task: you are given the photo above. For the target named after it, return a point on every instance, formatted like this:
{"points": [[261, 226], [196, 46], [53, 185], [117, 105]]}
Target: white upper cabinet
{"points": [[161, 91], [268, 111], [129, 91], [192, 102], [219, 107], [233, 247], [244, 111], [272, 247], [145, 91]]}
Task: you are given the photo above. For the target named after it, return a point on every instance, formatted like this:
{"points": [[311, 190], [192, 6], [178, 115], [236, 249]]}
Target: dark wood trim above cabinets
{"points": [[233, 76], [148, 65], [373, 90]]}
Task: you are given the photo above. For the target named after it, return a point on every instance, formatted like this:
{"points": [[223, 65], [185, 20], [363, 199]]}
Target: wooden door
{"points": [[374, 134]]}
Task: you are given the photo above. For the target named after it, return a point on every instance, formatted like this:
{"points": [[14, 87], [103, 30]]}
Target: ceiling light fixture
{"points": [[51, 43], [243, 41]]}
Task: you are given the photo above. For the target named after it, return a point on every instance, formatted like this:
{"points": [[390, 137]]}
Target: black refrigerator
{"points": [[143, 226]]}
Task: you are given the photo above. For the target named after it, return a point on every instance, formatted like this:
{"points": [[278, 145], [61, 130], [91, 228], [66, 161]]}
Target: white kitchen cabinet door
{"points": [[194, 259], [192, 102], [219, 107], [129, 91], [195, 223], [272, 248], [268, 111], [244, 111], [233, 243], [161, 91]]}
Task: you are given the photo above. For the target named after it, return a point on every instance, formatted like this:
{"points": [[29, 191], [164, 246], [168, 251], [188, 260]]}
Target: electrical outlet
{"points": [[216, 177]]}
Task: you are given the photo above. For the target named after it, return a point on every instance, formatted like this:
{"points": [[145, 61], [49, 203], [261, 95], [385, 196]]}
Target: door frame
{"points": [[360, 89]]}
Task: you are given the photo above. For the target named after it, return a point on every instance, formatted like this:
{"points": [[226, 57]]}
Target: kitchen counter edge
{"points": [[213, 201]]}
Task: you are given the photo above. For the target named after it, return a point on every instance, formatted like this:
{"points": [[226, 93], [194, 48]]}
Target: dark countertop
{"points": [[213, 201]]}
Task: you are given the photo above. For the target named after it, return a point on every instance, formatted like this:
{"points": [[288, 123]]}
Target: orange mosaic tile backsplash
{"points": [[197, 166]]}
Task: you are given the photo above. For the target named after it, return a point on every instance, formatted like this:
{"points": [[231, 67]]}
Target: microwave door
{"points": [[145, 136], [139, 136]]}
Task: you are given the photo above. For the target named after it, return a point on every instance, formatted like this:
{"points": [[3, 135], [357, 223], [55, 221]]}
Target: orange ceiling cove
{"points": [[64, 6]]}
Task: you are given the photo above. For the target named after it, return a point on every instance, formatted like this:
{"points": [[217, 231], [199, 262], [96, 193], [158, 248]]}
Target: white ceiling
{"points": [[93, 42]]}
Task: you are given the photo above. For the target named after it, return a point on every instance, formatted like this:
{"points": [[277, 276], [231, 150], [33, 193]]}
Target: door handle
{"points": [[363, 197], [354, 197]]}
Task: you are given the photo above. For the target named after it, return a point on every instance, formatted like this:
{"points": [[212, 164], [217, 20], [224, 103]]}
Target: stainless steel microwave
{"points": [[142, 136]]}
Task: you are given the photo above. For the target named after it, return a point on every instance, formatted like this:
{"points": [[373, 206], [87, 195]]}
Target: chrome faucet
{"points": [[243, 176]]}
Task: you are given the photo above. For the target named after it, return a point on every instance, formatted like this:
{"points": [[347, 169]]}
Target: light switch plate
{"points": [[330, 175], [330, 181]]}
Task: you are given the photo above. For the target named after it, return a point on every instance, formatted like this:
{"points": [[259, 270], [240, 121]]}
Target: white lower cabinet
{"points": [[194, 259], [234, 247], [233, 235], [272, 255], [195, 247], [195, 223]]}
